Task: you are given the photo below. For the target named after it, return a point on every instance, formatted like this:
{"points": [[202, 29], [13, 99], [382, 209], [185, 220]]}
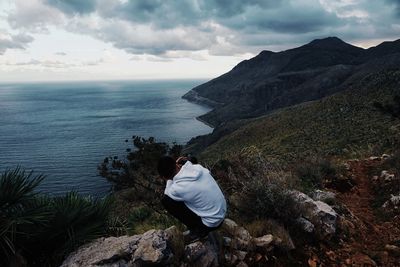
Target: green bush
{"points": [[313, 172], [139, 170], [58, 224], [261, 199], [256, 188]]}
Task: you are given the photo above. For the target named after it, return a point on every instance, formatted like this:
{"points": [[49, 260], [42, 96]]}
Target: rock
{"points": [[227, 241], [155, 247], [229, 226], [265, 241], [374, 158], [395, 250], [323, 195], [386, 176], [242, 264], [392, 203], [112, 251], [240, 236], [199, 254], [241, 254], [362, 260], [230, 259], [167, 248], [331, 255], [320, 214], [306, 225], [347, 166]]}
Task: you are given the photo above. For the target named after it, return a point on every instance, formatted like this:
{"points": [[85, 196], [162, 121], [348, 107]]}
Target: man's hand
{"points": [[181, 161]]}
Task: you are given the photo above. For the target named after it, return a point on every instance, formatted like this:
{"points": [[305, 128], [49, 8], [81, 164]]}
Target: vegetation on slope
{"points": [[345, 124]]}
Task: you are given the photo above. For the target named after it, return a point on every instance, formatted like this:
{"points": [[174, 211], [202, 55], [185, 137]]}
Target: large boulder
{"points": [[393, 203], [320, 214], [153, 248], [232, 245]]}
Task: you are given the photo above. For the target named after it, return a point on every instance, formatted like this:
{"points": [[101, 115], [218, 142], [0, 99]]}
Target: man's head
{"points": [[166, 167]]}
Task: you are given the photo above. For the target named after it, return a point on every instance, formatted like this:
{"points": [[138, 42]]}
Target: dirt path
{"points": [[372, 232]]}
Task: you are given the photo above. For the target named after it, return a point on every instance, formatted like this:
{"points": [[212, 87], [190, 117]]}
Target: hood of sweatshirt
{"points": [[188, 172]]}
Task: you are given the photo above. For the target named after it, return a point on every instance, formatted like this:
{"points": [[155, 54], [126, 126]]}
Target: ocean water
{"points": [[64, 130]]}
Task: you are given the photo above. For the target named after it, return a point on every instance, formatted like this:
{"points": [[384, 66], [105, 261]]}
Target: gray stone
{"points": [[112, 251], [323, 195], [199, 254], [306, 225], [392, 203], [320, 214], [155, 247], [240, 236], [263, 241], [386, 176], [242, 264], [241, 254]]}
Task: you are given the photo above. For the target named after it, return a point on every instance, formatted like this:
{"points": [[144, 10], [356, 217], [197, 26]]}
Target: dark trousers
{"points": [[180, 211]]}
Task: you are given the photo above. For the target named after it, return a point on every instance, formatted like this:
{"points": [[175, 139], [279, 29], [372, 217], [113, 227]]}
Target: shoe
{"points": [[193, 236]]}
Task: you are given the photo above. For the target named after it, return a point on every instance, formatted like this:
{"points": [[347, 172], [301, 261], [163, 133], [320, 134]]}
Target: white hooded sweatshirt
{"points": [[195, 186]]}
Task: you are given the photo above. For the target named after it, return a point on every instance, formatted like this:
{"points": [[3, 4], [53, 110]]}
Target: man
{"points": [[192, 196]]}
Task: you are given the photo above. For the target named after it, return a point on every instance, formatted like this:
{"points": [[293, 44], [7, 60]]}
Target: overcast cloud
{"points": [[165, 31], [157, 27]]}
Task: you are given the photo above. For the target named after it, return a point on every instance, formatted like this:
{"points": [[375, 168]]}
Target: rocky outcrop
{"points": [[324, 196], [155, 247], [316, 216], [232, 245], [393, 203]]}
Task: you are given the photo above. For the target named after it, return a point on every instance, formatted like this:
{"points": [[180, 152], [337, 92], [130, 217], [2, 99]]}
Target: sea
{"points": [[64, 130]]}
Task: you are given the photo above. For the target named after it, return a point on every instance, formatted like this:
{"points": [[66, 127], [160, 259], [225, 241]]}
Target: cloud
{"points": [[222, 27], [34, 15], [396, 5], [73, 6], [143, 38], [18, 41], [54, 64], [60, 53]]}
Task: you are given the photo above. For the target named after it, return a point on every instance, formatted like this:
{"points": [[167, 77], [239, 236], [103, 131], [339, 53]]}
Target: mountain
{"points": [[346, 124], [275, 80]]}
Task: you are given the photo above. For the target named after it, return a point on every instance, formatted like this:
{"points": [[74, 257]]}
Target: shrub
{"points": [[256, 188], [392, 108], [58, 224], [313, 172], [261, 199], [139, 170]]}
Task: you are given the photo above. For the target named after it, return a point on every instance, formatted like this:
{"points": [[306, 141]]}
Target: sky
{"points": [[58, 40]]}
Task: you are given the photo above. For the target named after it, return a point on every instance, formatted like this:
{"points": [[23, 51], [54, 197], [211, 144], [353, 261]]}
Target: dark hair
{"points": [[166, 167]]}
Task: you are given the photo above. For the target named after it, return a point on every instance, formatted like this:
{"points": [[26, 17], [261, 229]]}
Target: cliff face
{"points": [[271, 80]]}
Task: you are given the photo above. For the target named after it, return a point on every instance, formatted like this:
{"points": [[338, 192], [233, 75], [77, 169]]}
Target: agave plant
{"points": [[40, 230], [20, 209], [75, 220]]}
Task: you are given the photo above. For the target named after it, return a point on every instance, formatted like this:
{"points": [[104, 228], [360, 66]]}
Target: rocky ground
{"points": [[359, 227], [376, 238]]}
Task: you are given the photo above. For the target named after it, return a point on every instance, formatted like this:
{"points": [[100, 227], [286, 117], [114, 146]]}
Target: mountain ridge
{"points": [[276, 80], [266, 71]]}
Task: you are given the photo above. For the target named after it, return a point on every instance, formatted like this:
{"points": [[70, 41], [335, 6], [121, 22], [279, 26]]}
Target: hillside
{"points": [[272, 80], [345, 123]]}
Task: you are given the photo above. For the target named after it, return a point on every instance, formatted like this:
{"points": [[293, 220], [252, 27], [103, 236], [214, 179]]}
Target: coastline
{"points": [[193, 97], [206, 123]]}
